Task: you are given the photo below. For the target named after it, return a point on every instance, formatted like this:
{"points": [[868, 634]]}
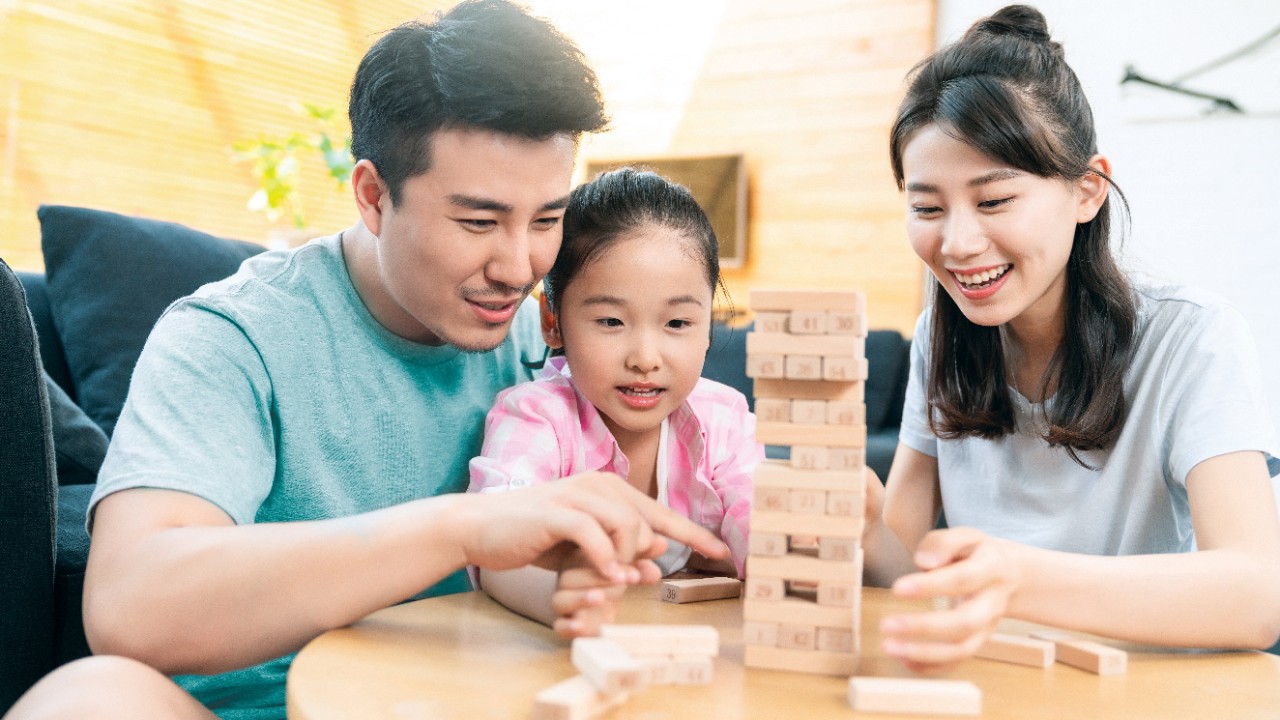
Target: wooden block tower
{"points": [[804, 572]]}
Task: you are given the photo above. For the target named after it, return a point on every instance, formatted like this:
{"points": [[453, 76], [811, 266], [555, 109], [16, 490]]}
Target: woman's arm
{"points": [[899, 514], [1224, 595]]}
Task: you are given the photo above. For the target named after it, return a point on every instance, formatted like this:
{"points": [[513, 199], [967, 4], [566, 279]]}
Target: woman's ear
{"points": [[1093, 189], [550, 324]]}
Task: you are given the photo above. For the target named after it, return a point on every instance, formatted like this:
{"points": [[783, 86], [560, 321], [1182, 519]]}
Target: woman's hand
{"points": [[971, 576]]}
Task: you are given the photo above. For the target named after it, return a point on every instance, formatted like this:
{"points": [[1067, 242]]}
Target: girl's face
{"points": [[635, 324], [996, 238]]}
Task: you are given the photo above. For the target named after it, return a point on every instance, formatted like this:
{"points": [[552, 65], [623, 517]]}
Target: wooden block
{"points": [[805, 457], [802, 367], [839, 549], [804, 568], [1095, 657], [844, 369], [808, 412], [607, 665], [642, 639], [808, 390], [574, 699], [815, 662], [807, 322], [798, 637], [808, 502], [765, 366], [849, 504], [699, 589], [842, 413], [846, 436], [1017, 650], [771, 299], [794, 611], [839, 594], [771, 322], [767, 544], [836, 640], [844, 322], [692, 669], [757, 633], [840, 346], [773, 410], [915, 696], [819, 525], [778, 474], [776, 499], [661, 669], [842, 458], [768, 589]]}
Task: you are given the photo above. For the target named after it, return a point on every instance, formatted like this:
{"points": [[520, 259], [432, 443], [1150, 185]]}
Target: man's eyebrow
{"points": [[993, 176], [471, 202]]}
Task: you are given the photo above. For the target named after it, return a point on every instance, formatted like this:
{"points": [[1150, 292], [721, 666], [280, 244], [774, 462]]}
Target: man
{"points": [[295, 436]]}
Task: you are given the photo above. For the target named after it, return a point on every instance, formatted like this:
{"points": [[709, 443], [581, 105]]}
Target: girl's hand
{"points": [[584, 599], [973, 573]]}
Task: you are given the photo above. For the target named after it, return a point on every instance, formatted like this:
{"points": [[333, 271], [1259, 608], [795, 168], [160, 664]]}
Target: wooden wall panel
{"points": [[133, 105]]}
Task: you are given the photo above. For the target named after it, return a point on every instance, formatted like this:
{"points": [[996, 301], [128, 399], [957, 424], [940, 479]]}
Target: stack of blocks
{"points": [[804, 574]]}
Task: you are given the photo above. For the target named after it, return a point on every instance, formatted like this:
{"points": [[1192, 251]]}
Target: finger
{"points": [[973, 617], [567, 602], [931, 656], [943, 547], [650, 573]]}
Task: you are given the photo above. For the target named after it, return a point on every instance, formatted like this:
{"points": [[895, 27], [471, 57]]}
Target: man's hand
{"points": [[612, 524], [977, 573], [584, 599]]}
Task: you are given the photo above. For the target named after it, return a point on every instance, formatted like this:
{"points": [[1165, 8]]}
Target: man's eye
{"points": [[547, 223], [478, 224]]}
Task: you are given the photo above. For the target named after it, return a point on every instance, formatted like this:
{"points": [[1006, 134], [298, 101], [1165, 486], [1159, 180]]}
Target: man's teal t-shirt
{"points": [[276, 396]]}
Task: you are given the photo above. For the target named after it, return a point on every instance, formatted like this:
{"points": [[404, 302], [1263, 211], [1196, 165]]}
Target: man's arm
{"points": [[174, 583]]}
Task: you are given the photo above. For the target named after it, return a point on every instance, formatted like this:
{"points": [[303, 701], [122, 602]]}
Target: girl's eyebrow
{"points": [[685, 300], [614, 300]]}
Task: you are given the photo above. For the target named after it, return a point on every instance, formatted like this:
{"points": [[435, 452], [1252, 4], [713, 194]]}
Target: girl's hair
{"points": [[619, 202], [1006, 90]]}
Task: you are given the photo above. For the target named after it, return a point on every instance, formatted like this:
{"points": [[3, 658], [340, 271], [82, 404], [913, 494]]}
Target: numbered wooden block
{"points": [[843, 368], [832, 436], [839, 549], [771, 322], [914, 696], [607, 665], [757, 633], [842, 413], [809, 412], [809, 457], [773, 410], [692, 669], [687, 590], [848, 504], [845, 322], [771, 299], [769, 589], [796, 611], [1087, 655], [574, 699], [807, 322], [767, 544], [1018, 650], [839, 594], [772, 499], [842, 391], [808, 502], [837, 640], [765, 366], [847, 458], [644, 639], [815, 662], [798, 637], [802, 367]]}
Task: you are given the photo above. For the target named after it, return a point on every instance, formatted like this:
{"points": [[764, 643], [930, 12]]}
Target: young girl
{"points": [[627, 315], [1097, 448]]}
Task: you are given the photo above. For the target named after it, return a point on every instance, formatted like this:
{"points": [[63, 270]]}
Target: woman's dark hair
{"points": [[1006, 90], [618, 202], [485, 64]]}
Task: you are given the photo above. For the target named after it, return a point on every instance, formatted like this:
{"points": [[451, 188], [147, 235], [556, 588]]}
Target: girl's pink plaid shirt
{"points": [[544, 430]]}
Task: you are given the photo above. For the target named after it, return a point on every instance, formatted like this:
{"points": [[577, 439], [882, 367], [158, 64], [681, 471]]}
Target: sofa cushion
{"points": [[110, 277], [52, 355]]}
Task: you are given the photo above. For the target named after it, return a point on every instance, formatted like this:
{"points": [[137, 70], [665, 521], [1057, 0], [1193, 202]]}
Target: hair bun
{"points": [[1021, 20]]}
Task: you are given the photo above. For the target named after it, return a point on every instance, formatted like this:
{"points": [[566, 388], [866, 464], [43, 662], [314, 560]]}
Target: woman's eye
{"points": [[925, 209], [989, 204]]}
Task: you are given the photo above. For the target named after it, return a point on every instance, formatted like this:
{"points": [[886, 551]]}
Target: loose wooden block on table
{"points": [[608, 666], [774, 300], [1085, 654], [641, 639], [698, 589], [574, 699], [692, 669], [914, 696], [1018, 650], [841, 391]]}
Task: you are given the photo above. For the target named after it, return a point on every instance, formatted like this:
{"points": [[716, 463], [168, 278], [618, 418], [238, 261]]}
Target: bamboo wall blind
{"points": [[132, 106]]}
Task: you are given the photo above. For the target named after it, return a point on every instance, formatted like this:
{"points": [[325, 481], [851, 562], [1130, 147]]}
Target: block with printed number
{"points": [[773, 300], [574, 699], [845, 346], [607, 665], [783, 389], [688, 590], [846, 436], [643, 639]]}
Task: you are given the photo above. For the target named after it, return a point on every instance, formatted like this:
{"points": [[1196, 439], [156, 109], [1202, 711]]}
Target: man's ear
{"points": [[1093, 189], [550, 324], [373, 198]]}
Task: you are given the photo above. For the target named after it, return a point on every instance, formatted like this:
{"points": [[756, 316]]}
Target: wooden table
{"points": [[464, 656]]}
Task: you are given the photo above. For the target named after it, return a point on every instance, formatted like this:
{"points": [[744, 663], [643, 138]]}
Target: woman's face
{"points": [[996, 238]]}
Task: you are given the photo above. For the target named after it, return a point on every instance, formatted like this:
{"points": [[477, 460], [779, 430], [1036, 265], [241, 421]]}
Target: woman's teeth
{"points": [[977, 280]]}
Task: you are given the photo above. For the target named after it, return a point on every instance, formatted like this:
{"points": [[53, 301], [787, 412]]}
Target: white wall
{"points": [[1204, 190]]}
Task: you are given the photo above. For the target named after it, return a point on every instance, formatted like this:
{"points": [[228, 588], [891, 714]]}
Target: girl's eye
{"points": [[679, 324], [609, 322], [990, 204]]}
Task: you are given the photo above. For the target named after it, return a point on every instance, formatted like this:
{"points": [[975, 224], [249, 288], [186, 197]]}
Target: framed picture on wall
{"points": [[718, 183]]}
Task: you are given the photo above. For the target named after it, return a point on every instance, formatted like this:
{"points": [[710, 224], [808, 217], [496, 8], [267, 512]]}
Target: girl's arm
{"points": [[1224, 595]]}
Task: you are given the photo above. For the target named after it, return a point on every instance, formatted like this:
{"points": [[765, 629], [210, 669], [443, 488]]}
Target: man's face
{"points": [[471, 236]]}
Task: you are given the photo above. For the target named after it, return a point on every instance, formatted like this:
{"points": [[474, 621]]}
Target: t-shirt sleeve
{"points": [[915, 432], [1216, 400], [521, 444], [197, 418]]}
